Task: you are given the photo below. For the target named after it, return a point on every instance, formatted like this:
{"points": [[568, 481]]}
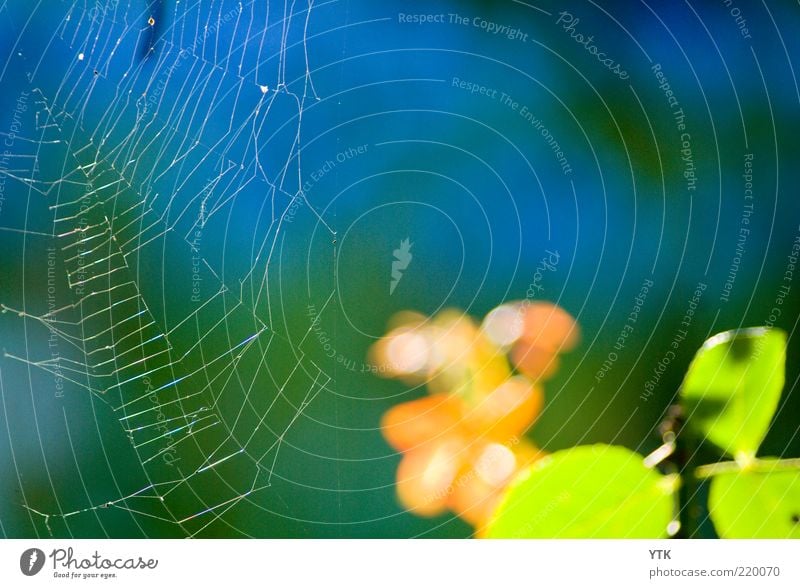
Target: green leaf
{"points": [[733, 387], [756, 504], [596, 491]]}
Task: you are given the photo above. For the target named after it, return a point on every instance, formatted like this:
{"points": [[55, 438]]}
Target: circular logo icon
{"points": [[31, 561]]}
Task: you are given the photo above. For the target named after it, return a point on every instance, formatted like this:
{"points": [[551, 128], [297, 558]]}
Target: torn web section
{"points": [[199, 383]]}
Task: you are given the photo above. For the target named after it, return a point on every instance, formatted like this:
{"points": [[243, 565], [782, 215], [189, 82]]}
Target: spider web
{"points": [[158, 100]]}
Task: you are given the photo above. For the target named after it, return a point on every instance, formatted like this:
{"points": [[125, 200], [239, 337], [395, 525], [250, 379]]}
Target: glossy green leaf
{"points": [[733, 386], [593, 491], [756, 504]]}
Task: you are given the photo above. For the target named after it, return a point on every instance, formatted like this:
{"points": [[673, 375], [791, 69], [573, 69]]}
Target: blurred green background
{"points": [[257, 169]]}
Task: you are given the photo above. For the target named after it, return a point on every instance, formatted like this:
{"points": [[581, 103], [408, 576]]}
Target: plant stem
{"points": [[687, 493], [674, 431], [758, 465]]}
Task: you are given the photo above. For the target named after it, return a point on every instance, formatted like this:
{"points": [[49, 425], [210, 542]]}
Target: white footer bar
{"points": [[399, 563]]}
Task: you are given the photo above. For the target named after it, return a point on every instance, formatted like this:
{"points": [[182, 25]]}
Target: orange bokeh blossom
{"points": [[464, 441]]}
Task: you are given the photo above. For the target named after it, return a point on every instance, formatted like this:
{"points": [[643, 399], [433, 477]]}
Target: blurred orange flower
{"points": [[463, 443], [547, 331]]}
